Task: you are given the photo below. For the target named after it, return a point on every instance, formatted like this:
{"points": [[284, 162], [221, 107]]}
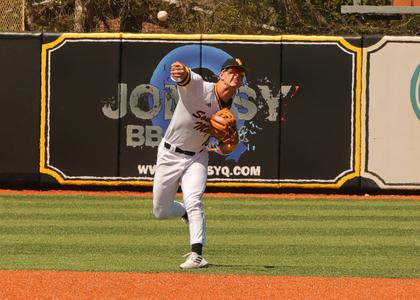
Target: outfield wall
{"points": [[316, 112]]}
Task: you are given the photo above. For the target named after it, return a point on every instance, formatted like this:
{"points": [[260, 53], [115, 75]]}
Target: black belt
{"points": [[179, 150]]}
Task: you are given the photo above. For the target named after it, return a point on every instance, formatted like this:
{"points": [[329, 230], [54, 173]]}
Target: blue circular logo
{"points": [[415, 91], [192, 56]]}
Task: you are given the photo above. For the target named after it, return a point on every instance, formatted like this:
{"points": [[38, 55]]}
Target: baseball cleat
{"points": [[185, 219], [194, 261]]}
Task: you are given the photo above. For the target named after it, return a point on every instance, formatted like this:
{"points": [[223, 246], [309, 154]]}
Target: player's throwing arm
{"points": [[178, 71]]}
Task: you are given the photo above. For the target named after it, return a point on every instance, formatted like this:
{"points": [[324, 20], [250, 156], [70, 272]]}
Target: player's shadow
{"points": [[241, 266]]}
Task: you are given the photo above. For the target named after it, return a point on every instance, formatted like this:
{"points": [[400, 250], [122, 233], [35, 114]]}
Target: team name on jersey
{"points": [[202, 122]]}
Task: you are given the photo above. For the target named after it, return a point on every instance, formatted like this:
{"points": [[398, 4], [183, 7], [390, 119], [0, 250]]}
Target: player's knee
{"points": [[159, 213], [195, 210], [195, 205]]}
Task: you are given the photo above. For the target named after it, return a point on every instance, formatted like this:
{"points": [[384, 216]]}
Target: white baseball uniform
{"points": [[182, 157]]}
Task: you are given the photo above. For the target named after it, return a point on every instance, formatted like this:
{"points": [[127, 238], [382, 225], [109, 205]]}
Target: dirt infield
{"points": [[85, 285]]}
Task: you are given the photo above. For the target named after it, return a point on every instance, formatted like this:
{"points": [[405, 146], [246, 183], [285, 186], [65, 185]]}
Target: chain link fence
{"points": [[12, 13]]}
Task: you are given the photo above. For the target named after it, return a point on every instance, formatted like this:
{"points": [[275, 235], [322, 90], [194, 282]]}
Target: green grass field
{"points": [[339, 238]]}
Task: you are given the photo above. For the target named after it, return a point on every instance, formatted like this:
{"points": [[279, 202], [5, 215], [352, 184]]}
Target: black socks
{"points": [[197, 248], [185, 217]]}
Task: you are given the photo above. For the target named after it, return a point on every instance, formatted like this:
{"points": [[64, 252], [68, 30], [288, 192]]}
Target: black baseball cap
{"points": [[234, 63]]}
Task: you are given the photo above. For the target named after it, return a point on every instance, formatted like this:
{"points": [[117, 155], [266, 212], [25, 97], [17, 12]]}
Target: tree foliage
{"points": [[210, 16]]}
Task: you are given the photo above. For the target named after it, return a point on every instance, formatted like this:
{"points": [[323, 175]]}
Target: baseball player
{"points": [[182, 157]]}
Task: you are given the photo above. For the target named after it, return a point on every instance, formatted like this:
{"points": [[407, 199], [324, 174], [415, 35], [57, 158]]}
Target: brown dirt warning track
{"points": [[110, 285], [86, 285]]}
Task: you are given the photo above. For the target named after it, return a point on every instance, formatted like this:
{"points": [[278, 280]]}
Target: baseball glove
{"points": [[223, 128]]}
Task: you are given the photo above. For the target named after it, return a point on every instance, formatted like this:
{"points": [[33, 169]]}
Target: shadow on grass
{"points": [[241, 266]]}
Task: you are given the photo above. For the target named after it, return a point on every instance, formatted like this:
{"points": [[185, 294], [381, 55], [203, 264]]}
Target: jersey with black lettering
{"points": [[198, 101]]}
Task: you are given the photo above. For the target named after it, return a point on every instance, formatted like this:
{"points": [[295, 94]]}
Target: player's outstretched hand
{"points": [[178, 71]]}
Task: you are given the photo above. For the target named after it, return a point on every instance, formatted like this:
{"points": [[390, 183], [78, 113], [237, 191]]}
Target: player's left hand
{"points": [[223, 127]]}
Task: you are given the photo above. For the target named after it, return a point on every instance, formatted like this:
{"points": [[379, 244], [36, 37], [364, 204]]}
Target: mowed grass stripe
{"points": [[348, 212], [263, 250], [75, 203], [235, 203], [228, 203], [92, 262], [80, 210], [378, 262], [325, 250], [267, 225], [76, 216], [218, 212], [256, 204], [319, 203], [156, 230], [280, 213], [333, 265], [104, 198], [169, 263], [326, 224], [214, 239], [41, 248], [332, 232], [309, 217], [102, 230], [219, 217], [313, 259]]}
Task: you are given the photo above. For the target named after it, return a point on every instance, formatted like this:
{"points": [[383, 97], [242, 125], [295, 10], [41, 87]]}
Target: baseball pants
{"points": [[172, 170]]}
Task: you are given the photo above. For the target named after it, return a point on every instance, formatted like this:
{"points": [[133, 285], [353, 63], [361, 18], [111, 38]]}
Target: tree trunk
{"points": [[292, 10], [29, 17], [79, 15], [316, 14]]}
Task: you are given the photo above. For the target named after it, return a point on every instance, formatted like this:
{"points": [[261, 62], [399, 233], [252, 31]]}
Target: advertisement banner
{"points": [[320, 124], [108, 99], [79, 145], [392, 113]]}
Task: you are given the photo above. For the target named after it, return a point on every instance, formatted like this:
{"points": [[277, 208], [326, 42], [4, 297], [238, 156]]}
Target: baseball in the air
{"points": [[162, 16]]}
